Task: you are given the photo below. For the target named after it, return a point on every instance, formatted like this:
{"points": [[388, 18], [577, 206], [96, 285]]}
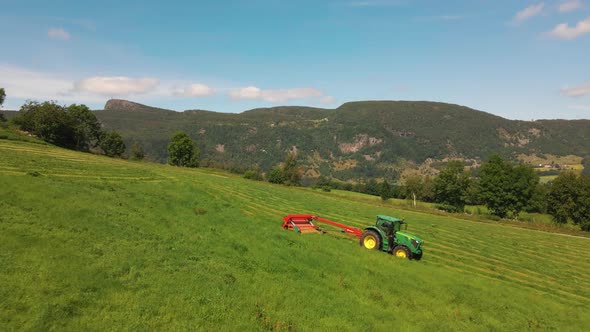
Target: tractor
{"points": [[387, 234]]}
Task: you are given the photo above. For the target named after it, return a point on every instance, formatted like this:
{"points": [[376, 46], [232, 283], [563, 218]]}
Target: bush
{"points": [[569, 199], [254, 174], [275, 175], [182, 151], [288, 174], [449, 208], [112, 144], [452, 185], [137, 151]]}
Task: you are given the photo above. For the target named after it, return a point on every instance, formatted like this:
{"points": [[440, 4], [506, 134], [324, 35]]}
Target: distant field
{"points": [[92, 243], [547, 178], [548, 159]]}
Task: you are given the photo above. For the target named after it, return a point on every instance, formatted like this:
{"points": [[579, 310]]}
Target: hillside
{"points": [[92, 243], [355, 140]]}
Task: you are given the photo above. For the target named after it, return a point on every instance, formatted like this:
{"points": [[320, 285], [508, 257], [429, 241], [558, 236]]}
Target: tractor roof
{"points": [[388, 218]]}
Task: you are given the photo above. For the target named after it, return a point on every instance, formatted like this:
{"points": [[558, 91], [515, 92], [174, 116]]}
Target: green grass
{"points": [[547, 178], [92, 243]]}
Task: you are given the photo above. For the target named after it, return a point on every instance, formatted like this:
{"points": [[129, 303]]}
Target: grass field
{"points": [[92, 243]]}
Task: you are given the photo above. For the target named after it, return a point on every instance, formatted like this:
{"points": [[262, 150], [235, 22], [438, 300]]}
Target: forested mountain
{"points": [[356, 140]]}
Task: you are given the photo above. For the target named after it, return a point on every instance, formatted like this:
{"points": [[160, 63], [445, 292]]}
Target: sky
{"points": [[516, 59]]}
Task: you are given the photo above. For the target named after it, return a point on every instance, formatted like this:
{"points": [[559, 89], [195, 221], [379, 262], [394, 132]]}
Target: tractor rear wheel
{"points": [[402, 252], [371, 240]]}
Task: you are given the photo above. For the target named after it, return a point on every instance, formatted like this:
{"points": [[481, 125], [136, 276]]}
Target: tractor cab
{"points": [[390, 224]]}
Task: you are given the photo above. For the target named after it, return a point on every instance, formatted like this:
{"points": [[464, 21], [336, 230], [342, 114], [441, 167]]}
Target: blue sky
{"points": [[517, 59]]}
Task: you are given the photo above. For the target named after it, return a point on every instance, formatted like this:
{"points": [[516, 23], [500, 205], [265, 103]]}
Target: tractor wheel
{"points": [[417, 256], [402, 252], [371, 240]]}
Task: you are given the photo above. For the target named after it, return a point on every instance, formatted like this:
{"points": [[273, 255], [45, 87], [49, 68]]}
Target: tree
{"points": [[414, 188], [291, 171], [586, 164], [2, 97], [72, 127], [182, 151], [427, 189], [112, 144], [324, 183], [538, 202], [85, 126], [137, 151], [276, 175], [569, 199], [505, 188], [450, 187], [48, 121], [385, 190], [371, 187]]}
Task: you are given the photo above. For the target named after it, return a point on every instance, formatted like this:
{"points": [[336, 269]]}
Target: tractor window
{"points": [[386, 225]]}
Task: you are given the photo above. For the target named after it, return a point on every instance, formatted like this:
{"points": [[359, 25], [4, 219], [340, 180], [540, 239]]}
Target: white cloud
{"points": [[194, 90], [274, 96], [250, 92], [579, 107], [23, 83], [571, 5], [577, 91], [529, 12], [116, 85], [58, 33], [28, 84], [564, 31]]}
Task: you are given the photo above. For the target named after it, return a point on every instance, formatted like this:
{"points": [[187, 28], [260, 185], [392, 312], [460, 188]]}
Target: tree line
{"points": [[505, 189], [76, 127], [72, 127]]}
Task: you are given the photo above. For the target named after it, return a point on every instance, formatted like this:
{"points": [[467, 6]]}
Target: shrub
{"points": [[112, 144], [254, 174], [182, 151], [449, 208]]}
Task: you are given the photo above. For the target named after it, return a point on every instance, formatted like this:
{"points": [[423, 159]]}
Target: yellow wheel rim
{"points": [[401, 253], [369, 242]]}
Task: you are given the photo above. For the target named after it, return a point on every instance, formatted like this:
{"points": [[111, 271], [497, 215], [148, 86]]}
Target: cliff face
{"points": [[122, 105]]}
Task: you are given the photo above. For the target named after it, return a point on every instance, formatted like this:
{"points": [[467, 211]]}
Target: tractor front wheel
{"points": [[402, 252], [371, 240]]}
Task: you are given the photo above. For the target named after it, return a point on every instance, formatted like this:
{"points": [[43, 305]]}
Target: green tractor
{"points": [[387, 235]]}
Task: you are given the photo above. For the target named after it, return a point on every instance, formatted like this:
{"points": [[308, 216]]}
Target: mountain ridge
{"points": [[355, 141]]}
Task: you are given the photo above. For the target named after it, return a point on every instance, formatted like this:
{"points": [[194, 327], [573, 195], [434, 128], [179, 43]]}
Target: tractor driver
{"points": [[390, 232]]}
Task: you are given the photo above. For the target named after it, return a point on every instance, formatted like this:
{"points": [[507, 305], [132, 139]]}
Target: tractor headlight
{"points": [[415, 243]]}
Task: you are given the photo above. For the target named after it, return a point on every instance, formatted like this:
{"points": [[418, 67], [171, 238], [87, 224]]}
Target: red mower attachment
{"points": [[303, 223]]}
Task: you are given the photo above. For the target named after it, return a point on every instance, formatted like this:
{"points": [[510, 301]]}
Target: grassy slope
{"points": [[96, 243]]}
